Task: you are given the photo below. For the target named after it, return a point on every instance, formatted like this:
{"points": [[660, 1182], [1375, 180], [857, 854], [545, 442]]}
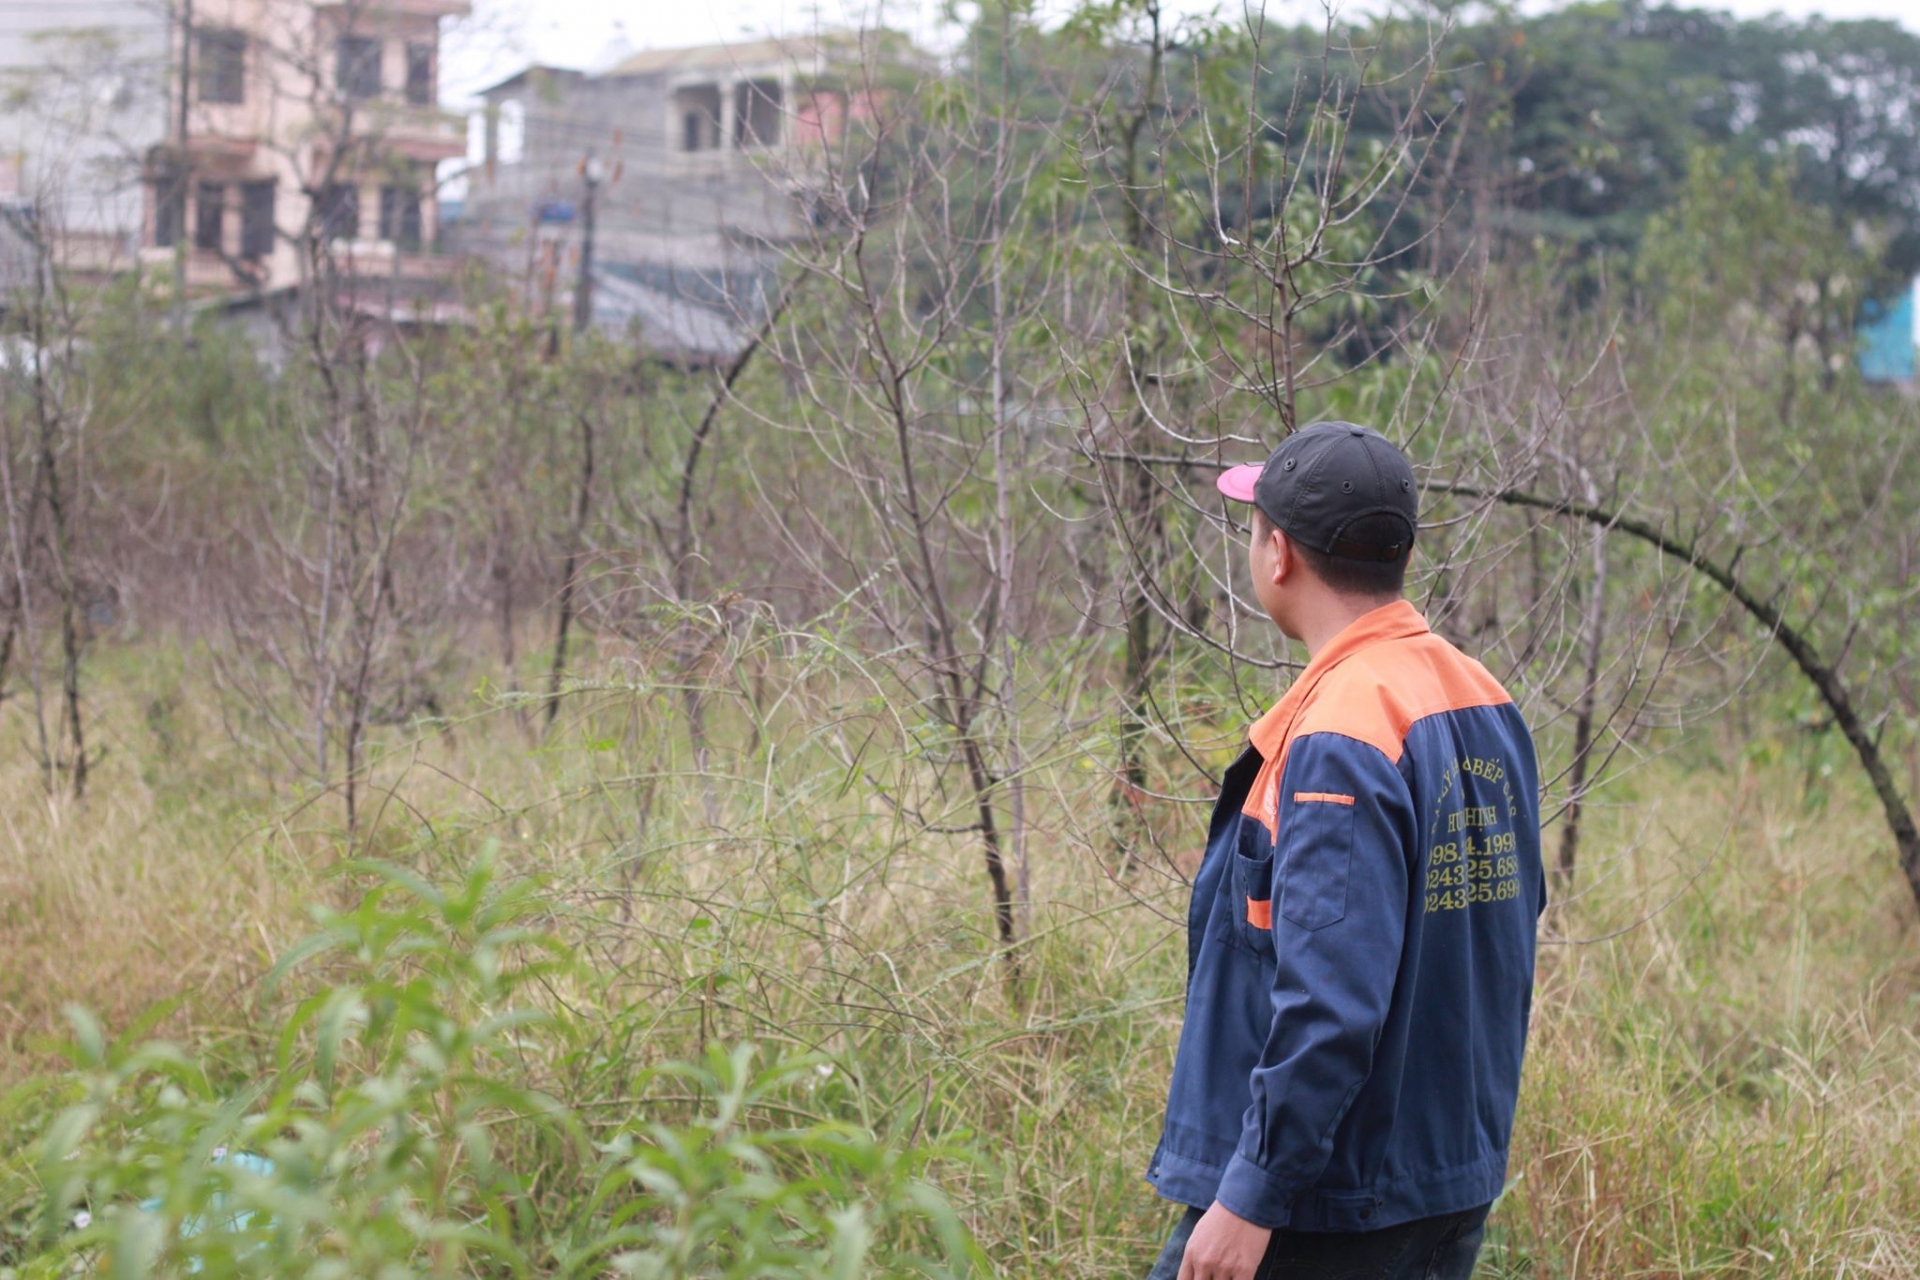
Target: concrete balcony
{"points": [[221, 148], [207, 273], [367, 259], [424, 134], [749, 163]]}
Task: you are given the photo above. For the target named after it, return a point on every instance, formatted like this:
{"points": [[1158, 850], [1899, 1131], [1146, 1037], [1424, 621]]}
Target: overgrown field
{"points": [[484, 800], [1724, 1076]]}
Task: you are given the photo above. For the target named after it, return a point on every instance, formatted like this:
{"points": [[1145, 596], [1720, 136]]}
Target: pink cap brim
{"points": [[1237, 482]]}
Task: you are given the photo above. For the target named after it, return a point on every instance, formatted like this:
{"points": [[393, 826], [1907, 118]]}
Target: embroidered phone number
{"points": [[1466, 895], [1454, 872], [1458, 878]]}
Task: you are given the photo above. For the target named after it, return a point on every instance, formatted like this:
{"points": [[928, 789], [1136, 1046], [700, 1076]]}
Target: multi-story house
{"points": [[313, 134], [705, 161]]}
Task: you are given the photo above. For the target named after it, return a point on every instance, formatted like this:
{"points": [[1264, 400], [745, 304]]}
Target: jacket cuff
{"points": [[1250, 1192]]}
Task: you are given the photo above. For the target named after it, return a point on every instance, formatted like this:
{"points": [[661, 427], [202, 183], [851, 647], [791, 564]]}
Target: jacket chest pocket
{"points": [[1251, 888], [1317, 856]]}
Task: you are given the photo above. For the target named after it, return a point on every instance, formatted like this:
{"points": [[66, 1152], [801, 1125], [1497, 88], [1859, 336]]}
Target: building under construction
{"points": [[694, 168]]}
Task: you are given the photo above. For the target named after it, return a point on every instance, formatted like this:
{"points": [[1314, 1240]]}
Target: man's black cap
{"points": [[1338, 488]]}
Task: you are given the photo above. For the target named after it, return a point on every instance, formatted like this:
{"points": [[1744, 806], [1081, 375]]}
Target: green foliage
{"points": [[1576, 124], [1739, 248], [408, 1131], [213, 391]]}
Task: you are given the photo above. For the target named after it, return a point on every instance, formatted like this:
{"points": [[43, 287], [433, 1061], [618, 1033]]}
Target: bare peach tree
{"points": [[1726, 554], [1254, 188], [75, 112], [1281, 263], [344, 631], [914, 343], [49, 597]]}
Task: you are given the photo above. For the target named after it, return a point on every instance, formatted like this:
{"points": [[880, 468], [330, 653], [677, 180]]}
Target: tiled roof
{"points": [[717, 57]]}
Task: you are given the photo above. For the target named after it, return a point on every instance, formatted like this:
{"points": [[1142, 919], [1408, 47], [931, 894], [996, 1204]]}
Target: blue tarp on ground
{"points": [[220, 1219], [1887, 337]]}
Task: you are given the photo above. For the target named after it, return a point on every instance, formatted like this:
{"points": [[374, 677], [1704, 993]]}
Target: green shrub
{"points": [[419, 1119]]}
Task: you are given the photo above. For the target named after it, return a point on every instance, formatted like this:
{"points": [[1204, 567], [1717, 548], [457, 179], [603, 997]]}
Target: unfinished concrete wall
{"points": [[706, 154]]}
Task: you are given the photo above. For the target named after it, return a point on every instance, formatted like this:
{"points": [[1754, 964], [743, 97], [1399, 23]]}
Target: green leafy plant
{"points": [[410, 1127]]}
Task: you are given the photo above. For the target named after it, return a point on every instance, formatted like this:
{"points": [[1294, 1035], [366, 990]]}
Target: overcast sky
{"points": [[504, 35]]}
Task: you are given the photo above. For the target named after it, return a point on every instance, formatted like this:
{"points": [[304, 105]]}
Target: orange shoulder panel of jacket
{"points": [[1378, 694], [1263, 797]]}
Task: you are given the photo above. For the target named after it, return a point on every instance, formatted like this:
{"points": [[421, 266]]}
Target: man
{"points": [[1361, 941]]}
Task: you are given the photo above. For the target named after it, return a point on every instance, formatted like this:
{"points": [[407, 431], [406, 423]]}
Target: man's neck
{"points": [[1333, 615]]}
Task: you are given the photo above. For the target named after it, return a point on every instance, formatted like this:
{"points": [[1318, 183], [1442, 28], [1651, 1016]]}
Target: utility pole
{"points": [[592, 173], [177, 198]]}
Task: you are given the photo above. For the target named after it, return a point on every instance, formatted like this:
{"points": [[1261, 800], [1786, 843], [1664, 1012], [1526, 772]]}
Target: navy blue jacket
{"points": [[1360, 947]]}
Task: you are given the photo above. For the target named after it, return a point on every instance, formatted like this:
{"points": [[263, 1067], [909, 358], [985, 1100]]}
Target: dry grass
{"points": [[1729, 1084], [148, 893]]}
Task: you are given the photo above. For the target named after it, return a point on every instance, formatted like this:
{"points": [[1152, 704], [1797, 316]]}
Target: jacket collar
{"points": [[1396, 621]]}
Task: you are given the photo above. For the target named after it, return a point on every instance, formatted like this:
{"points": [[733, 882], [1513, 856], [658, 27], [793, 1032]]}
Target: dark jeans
{"points": [[1442, 1248]]}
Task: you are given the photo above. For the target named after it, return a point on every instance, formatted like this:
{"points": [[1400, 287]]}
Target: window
{"points": [[169, 209], [256, 219], [400, 216], [698, 109], [222, 56], [357, 66], [209, 216], [420, 74], [756, 113], [337, 211]]}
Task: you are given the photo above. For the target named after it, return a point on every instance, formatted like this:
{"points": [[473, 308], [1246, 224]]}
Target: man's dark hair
{"points": [[1372, 579]]}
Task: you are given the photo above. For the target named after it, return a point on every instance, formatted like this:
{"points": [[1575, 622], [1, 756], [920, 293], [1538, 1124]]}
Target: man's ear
{"points": [[1286, 561]]}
